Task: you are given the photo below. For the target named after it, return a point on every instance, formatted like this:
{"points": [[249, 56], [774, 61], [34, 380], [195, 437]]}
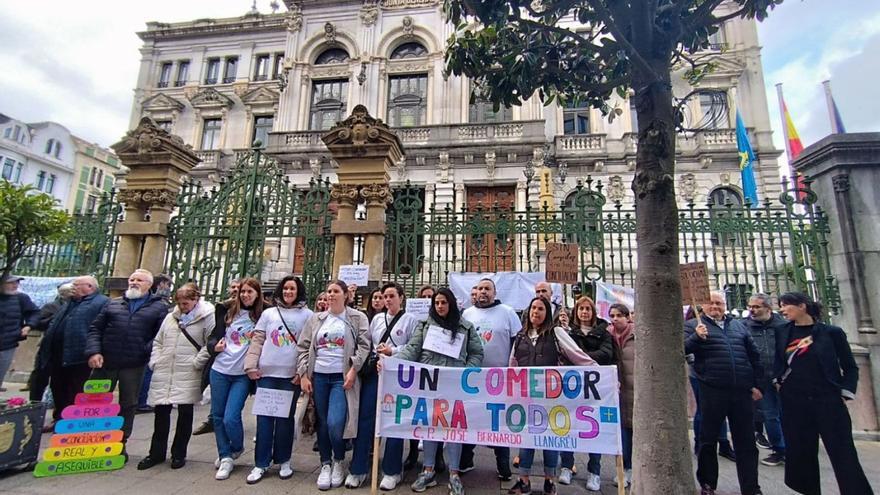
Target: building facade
{"points": [[95, 173], [285, 78], [40, 154]]}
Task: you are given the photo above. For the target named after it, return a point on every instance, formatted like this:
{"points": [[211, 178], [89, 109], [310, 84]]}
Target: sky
{"points": [[76, 63]]}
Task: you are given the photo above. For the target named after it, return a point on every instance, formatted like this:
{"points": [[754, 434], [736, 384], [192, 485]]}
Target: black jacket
{"points": [[16, 311], [727, 358], [73, 321], [833, 351], [764, 334], [598, 343], [125, 339]]}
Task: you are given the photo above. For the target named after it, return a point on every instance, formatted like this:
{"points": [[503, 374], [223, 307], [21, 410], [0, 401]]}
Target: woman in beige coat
{"points": [[179, 354], [333, 346]]}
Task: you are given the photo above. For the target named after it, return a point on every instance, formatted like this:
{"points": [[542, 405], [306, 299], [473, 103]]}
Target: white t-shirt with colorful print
{"points": [[238, 339], [330, 344], [279, 354]]}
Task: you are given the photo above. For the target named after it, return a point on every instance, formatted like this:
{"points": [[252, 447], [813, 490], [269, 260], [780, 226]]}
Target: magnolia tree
{"points": [[515, 49], [27, 218]]}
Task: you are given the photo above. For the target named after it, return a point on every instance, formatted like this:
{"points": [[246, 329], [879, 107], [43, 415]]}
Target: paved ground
{"points": [[197, 477]]}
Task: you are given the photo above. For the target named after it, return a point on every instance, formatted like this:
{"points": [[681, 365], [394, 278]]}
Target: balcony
{"points": [[717, 140], [580, 145], [519, 133], [209, 158], [162, 84]]}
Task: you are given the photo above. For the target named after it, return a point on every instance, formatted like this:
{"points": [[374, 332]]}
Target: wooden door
{"points": [[491, 239]]}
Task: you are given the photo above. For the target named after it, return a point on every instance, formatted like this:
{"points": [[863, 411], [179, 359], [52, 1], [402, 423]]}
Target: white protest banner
{"points": [[608, 294], [355, 274], [42, 290], [272, 402], [570, 408], [515, 289], [418, 308]]}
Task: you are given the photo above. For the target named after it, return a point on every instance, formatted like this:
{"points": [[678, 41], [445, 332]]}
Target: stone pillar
{"points": [[365, 149], [157, 163], [845, 169]]}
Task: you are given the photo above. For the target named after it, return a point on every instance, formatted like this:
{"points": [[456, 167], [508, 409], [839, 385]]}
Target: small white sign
{"points": [[355, 274], [418, 308], [438, 340], [272, 402]]}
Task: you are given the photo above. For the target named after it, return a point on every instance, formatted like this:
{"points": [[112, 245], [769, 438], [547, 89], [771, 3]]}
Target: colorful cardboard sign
{"points": [[73, 466], [89, 438]]}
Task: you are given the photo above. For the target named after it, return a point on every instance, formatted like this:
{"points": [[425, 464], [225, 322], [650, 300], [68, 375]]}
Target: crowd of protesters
{"points": [[786, 374]]}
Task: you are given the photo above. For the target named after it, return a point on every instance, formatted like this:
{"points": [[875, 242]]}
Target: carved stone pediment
{"points": [[360, 130], [260, 96], [210, 98], [161, 102], [147, 138]]}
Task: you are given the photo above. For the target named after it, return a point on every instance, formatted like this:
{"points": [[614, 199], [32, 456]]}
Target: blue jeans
{"points": [[332, 411], [626, 441], [275, 435], [698, 419], [771, 407], [6, 362], [228, 393], [145, 388], [363, 443], [594, 464], [551, 461], [452, 451]]}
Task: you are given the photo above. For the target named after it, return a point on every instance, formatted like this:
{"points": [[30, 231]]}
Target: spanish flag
{"points": [[793, 146]]}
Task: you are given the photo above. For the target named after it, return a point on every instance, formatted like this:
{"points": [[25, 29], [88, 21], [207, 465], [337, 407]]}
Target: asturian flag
{"points": [[746, 158]]}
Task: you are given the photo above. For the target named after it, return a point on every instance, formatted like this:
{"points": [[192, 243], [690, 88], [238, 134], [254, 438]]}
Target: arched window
{"points": [[328, 103], [409, 50], [724, 204], [332, 56]]}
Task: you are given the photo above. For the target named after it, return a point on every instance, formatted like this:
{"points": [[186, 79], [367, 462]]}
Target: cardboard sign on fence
{"points": [[562, 263]]}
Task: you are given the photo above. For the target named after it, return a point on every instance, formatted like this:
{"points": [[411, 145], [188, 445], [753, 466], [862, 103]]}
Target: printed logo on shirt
{"points": [[798, 347], [281, 337], [331, 340], [242, 337]]}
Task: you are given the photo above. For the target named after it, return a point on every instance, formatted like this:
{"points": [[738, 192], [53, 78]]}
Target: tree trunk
{"points": [[662, 453]]}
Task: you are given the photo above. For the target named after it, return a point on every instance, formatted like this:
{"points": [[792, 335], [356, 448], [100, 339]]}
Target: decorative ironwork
{"points": [[229, 231], [89, 250], [773, 247]]}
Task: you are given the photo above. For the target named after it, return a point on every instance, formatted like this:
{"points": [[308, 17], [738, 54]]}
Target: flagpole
{"points": [[833, 114]]}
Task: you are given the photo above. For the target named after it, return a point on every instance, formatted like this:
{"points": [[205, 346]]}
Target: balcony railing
{"points": [[581, 144], [717, 139], [209, 158], [211, 80], [162, 84]]}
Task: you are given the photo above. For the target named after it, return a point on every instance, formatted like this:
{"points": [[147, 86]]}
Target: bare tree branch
{"points": [[700, 16], [606, 17], [738, 13]]}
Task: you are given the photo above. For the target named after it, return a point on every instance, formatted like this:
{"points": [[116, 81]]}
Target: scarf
{"points": [[621, 332]]}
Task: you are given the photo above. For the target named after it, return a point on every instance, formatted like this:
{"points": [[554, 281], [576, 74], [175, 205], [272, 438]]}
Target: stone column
{"points": [[365, 149], [157, 163]]}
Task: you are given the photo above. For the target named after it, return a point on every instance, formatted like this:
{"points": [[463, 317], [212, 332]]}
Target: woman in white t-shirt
{"points": [[333, 347], [271, 360], [233, 331], [390, 331]]}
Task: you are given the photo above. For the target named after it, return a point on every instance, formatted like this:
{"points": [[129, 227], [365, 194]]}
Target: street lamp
{"points": [[529, 171], [562, 172]]}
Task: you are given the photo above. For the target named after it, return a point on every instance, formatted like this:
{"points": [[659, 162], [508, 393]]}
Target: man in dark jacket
{"points": [[62, 352], [39, 379], [120, 340], [727, 365], [17, 315], [764, 325]]}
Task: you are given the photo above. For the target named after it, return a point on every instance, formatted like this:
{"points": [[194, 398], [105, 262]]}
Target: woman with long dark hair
{"points": [[375, 304], [816, 373], [271, 361], [539, 343], [233, 331], [333, 347], [444, 317]]}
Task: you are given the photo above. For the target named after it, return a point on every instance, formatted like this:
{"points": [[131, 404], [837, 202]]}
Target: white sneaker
{"points": [[235, 455], [565, 476], [285, 470], [627, 478], [337, 474], [225, 469], [389, 482], [324, 477], [355, 480], [593, 483], [256, 475]]}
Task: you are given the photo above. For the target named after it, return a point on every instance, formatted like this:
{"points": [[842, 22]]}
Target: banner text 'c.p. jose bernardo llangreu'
{"points": [[572, 408]]}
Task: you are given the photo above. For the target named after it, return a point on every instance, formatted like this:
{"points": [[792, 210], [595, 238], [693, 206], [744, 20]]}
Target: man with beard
{"points": [[17, 315], [496, 324], [120, 340]]}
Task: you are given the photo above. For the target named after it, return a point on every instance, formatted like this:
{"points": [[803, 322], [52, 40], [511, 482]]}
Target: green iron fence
{"points": [[90, 249], [244, 226], [773, 247]]}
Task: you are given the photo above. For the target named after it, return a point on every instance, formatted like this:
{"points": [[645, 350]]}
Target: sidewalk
{"points": [[197, 477]]}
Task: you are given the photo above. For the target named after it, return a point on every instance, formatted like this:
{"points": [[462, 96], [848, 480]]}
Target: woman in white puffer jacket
{"points": [[179, 354]]}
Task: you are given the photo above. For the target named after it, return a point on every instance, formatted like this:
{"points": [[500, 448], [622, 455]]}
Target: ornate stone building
{"points": [[285, 78]]}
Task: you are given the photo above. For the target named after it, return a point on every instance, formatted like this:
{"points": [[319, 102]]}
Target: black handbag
{"points": [[372, 361]]}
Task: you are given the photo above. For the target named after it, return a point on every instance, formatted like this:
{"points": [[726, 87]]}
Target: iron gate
{"points": [[254, 216], [772, 247]]}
